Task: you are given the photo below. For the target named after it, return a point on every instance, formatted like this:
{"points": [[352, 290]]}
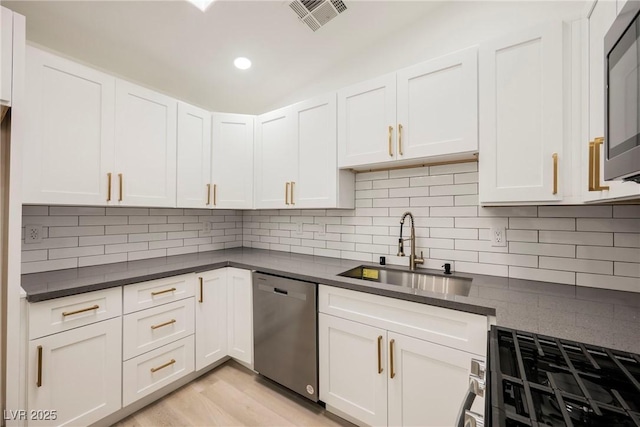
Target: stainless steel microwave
{"points": [[622, 96]]}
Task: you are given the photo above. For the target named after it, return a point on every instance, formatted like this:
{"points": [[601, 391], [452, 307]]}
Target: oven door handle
{"points": [[466, 418]]}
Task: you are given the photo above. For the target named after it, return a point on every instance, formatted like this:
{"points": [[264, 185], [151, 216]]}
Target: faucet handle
{"points": [[419, 260]]}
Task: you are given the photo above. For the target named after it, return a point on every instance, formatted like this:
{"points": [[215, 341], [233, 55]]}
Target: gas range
{"points": [[536, 380]]}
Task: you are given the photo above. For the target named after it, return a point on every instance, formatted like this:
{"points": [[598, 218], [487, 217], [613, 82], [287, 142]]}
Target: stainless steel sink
{"points": [[409, 279]]}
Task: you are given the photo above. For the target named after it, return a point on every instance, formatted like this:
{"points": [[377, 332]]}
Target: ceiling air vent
{"points": [[316, 13]]}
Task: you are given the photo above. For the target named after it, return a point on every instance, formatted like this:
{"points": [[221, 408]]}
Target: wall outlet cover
{"points": [[498, 236], [298, 230], [207, 226], [33, 233]]}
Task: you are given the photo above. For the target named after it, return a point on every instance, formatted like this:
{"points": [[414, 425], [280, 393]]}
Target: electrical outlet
{"points": [[498, 236], [298, 230], [207, 227], [33, 234], [322, 229]]}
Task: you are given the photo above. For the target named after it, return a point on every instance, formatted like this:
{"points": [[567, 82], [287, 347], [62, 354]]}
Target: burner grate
{"points": [[537, 380]]}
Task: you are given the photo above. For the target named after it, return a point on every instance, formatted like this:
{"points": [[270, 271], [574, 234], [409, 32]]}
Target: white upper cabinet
{"points": [[366, 122], [194, 157], [600, 20], [320, 184], [521, 116], [437, 106], [276, 155], [232, 161], [69, 144], [145, 147], [6, 55]]}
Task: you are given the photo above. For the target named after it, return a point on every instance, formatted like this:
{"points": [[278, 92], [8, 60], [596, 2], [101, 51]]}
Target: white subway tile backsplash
{"points": [[522, 235], [432, 201], [126, 247], [371, 194], [466, 178], [52, 243], [454, 255], [126, 229], [457, 211], [34, 211], [30, 256], [575, 211], [52, 221], [453, 190], [576, 238], [477, 245], [509, 259], [58, 264], [364, 176], [611, 254], [76, 252], [626, 211], [76, 231], [454, 233], [147, 237], [628, 240], [454, 168], [564, 251], [630, 284], [409, 172], [85, 261], [577, 265], [391, 183], [543, 223], [75, 210], [486, 222], [363, 185], [565, 277], [510, 211], [629, 269], [468, 200], [156, 253], [477, 268], [428, 181], [127, 211]]}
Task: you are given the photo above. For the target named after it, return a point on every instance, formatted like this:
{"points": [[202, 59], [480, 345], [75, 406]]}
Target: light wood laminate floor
{"points": [[232, 395]]}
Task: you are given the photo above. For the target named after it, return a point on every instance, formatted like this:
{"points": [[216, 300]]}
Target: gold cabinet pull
{"points": [[109, 187], [160, 325], [82, 310], [400, 139], [380, 354], [592, 186], [215, 191], [201, 290], [169, 363], [555, 173], [120, 178], [392, 373], [166, 291], [286, 193], [390, 142], [596, 165], [39, 377], [208, 194], [292, 186]]}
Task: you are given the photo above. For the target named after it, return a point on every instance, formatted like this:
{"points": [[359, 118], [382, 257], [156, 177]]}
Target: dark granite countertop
{"points": [[596, 316]]}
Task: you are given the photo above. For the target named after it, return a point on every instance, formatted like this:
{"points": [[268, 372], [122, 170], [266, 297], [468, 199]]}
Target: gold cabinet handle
{"points": [[160, 325], [400, 139], [39, 377], [555, 173], [215, 191], [82, 310], [120, 178], [292, 186], [380, 354], [596, 165], [592, 186], [169, 363], [201, 290], [208, 194], [109, 187], [390, 142], [166, 291], [286, 193], [392, 373]]}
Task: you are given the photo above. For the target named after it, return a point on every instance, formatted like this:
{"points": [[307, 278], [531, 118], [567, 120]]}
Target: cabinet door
{"points": [[80, 373], [240, 315], [145, 147], [438, 106], [366, 122], [600, 20], [211, 317], [275, 159], [315, 126], [194, 157], [429, 384], [6, 58], [521, 128], [68, 146], [232, 161], [353, 368]]}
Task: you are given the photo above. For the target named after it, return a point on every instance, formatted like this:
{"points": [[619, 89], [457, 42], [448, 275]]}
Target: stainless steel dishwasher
{"points": [[285, 333]]}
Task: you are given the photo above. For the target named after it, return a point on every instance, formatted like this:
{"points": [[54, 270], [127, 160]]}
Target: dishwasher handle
{"points": [[280, 291]]}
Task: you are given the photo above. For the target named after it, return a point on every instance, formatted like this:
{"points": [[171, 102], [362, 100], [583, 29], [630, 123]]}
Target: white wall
{"points": [[452, 26]]}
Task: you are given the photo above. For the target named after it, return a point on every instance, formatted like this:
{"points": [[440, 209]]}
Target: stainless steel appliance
{"points": [[537, 380], [477, 386], [622, 97], [285, 332]]}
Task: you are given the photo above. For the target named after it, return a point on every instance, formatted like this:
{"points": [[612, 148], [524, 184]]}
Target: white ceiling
{"points": [[175, 48]]}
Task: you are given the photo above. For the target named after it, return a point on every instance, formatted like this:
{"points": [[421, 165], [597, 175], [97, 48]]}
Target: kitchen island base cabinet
{"points": [[77, 373]]}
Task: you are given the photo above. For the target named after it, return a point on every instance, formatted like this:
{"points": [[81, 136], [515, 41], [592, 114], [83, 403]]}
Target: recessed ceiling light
{"points": [[242, 63], [201, 4]]}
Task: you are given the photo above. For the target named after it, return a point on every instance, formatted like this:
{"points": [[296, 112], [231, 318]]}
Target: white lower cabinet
{"points": [[77, 373], [151, 371], [211, 318], [375, 375], [240, 316]]}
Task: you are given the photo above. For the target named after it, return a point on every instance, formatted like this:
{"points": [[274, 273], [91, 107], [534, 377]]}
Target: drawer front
{"points": [[452, 328], [152, 328], [150, 372], [157, 292], [61, 314]]}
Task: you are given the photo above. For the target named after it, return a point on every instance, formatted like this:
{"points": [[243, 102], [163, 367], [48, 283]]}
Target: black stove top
{"points": [[536, 380]]}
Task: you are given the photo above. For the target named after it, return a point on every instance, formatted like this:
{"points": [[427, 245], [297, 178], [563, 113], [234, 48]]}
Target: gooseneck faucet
{"points": [[413, 259]]}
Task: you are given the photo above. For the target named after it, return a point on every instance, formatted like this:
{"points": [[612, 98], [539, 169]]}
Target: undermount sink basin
{"points": [[410, 279]]}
